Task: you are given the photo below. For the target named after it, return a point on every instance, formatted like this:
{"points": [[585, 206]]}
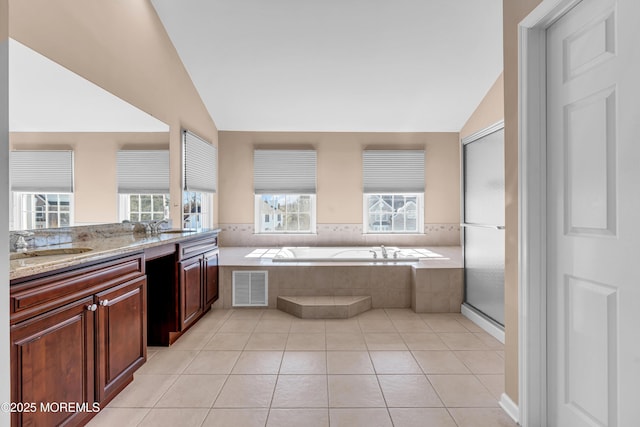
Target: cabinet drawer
{"points": [[31, 297], [196, 247]]}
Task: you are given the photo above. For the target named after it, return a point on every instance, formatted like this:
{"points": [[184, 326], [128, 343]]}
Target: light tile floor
{"points": [[252, 367]]}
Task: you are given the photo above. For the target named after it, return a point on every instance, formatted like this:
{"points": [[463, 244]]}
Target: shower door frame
{"points": [[483, 320]]}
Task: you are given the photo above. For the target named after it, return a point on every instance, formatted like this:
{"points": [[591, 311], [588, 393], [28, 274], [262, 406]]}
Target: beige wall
{"points": [[339, 172], [513, 12], [489, 111], [122, 47], [95, 177]]}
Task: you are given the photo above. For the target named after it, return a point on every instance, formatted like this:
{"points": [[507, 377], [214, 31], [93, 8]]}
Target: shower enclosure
{"points": [[483, 221]]}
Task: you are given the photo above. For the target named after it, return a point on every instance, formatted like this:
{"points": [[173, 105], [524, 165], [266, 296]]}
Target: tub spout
{"points": [[384, 251]]}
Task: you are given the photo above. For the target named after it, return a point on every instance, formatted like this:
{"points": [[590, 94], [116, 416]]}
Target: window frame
{"points": [[206, 211], [419, 212], [258, 220], [18, 214], [124, 205]]}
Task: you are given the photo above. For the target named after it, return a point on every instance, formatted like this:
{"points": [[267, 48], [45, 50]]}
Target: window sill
{"points": [[395, 233], [290, 233]]}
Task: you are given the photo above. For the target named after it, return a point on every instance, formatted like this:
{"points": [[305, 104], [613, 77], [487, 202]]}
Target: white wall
{"points": [[4, 215]]}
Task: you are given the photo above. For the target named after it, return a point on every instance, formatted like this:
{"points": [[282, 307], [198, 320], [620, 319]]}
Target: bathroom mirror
{"points": [[53, 109]]}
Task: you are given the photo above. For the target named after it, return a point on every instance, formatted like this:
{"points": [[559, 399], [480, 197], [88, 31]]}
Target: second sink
{"points": [[47, 252]]}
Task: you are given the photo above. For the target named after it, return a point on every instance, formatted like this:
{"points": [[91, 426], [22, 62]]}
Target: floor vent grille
{"points": [[250, 289]]}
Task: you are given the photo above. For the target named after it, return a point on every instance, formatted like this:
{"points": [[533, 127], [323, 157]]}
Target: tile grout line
{"points": [[219, 325]]}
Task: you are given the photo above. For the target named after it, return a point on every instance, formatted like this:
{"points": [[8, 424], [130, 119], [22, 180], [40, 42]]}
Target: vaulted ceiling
{"points": [[338, 65]]}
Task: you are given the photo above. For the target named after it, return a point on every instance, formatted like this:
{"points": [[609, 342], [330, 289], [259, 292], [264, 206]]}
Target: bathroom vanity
{"points": [[183, 283], [80, 322]]}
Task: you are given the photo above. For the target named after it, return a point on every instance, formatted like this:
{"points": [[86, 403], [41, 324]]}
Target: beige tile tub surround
{"points": [[437, 290], [343, 372], [431, 286]]}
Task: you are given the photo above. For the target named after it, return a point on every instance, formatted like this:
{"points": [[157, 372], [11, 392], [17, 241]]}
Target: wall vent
{"points": [[250, 289]]}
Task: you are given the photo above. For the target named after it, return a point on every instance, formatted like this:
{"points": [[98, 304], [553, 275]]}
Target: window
{"points": [[393, 213], [199, 170], [285, 191], [285, 213], [31, 210], [143, 185], [42, 189], [393, 187], [196, 210], [144, 207]]}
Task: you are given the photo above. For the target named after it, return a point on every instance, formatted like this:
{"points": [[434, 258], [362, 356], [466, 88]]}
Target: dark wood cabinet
{"points": [[210, 278], [183, 284], [198, 286], [52, 360], [198, 268], [77, 335], [191, 295], [121, 335]]}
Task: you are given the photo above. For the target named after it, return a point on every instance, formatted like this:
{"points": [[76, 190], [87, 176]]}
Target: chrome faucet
{"points": [[20, 244], [375, 254], [154, 226], [384, 252]]}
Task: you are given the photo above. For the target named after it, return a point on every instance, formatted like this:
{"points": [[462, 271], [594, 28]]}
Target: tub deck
{"points": [[432, 285], [237, 256]]}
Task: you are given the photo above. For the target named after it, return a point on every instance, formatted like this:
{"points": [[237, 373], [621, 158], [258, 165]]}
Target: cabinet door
{"points": [[210, 278], [121, 335], [191, 297], [52, 360]]}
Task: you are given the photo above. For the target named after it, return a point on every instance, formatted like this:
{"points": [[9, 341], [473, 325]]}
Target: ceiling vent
{"points": [[250, 289]]}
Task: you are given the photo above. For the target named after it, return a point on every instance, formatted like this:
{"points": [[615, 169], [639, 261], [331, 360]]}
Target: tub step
{"points": [[321, 307]]}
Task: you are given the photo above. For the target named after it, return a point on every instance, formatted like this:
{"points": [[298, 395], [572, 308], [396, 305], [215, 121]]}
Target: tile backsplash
{"points": [[340, 235]]}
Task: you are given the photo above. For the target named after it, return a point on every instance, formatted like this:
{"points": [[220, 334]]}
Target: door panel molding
{"points": [[578, 293], [532, 309]]}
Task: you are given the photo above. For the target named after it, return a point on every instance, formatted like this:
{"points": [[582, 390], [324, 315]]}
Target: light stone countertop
{"points": [[102, 247]]}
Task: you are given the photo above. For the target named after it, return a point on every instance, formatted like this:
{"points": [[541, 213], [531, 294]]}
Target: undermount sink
{"points": [[178, 230], [47, 252]]}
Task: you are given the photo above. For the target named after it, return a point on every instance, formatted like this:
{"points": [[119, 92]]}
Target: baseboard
{"points": [[510, 407], [487, 325]]}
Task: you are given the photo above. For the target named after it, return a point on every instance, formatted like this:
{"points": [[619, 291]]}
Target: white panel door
{"points": [[593, 217]]}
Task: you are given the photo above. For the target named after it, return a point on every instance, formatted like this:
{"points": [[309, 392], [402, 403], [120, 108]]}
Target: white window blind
{"points": [[284, 171], [200, 162], [393, 171], [143, 171], [41, 171]]}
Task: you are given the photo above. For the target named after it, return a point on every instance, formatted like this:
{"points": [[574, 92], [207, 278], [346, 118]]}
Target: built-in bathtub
{"points": [[432, 284], [347, 254]]}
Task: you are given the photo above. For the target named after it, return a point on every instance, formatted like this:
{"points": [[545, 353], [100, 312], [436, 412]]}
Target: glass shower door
{"points": [[483, 222]]}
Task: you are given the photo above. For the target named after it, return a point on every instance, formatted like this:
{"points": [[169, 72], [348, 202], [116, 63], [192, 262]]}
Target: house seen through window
{"points": [[41, 210], [144, 207], [393, 213], [196, 212], [285, 213]]}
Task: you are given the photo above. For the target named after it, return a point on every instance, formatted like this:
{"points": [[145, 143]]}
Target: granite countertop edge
{"points": [[101, 248]]}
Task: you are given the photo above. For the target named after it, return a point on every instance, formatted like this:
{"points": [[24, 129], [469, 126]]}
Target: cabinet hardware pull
{"points": [[104, 302], [92, 307]]}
